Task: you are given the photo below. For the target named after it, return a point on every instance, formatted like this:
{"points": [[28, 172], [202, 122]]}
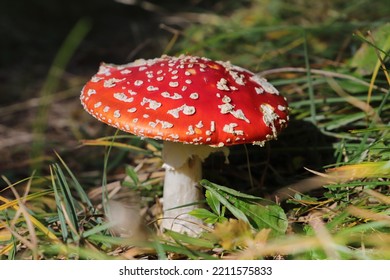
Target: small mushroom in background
{"points": [[196, 106]]}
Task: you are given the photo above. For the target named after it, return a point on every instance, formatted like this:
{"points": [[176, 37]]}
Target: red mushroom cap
{"points": [[186, 99]]}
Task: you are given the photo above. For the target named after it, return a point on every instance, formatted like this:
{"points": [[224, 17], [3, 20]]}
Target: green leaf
{"points": [[97, 229], [234, 210], [70, 202], [67, 198], [263, 216], [194, 241], [58, 200], [227, 190], [246, 207], [132, 174], [80, 190], [213, 202], [204, 215]]}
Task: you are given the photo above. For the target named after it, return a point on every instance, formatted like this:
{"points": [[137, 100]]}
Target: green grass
{"points": [[331, 182]]}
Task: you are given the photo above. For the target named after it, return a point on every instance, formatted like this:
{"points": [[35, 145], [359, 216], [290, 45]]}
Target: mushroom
{"points": [[195, 106]]}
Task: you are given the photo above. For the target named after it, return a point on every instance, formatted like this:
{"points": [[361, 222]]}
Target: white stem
{"points": [[183, 171], [180, 188]]}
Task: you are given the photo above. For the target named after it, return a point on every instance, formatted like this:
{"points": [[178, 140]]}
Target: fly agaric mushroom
{"points": [[195, 105]]}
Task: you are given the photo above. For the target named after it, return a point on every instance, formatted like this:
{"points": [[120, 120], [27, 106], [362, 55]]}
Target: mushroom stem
{"points": [[183, 171], [180, 188]]}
